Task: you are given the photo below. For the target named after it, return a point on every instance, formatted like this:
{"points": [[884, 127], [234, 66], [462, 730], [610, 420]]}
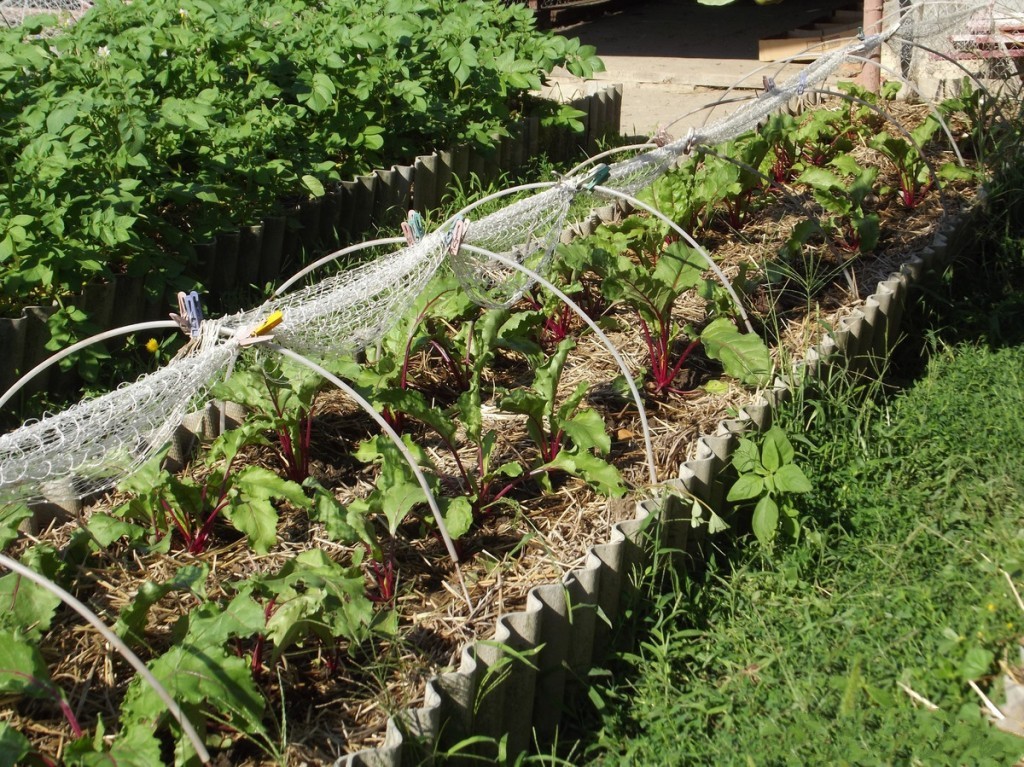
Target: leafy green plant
{"points": [[313, 596], [843, 198], [11, 516], [913, 173], [682, 195], [565, 433], [211, 684], [732, 178], [652, 293], [279, 399], [421, 344], [23, 672], [576, 269], [136, 133], [29, 609], [193, 507], [769, 476], [813, 139]]}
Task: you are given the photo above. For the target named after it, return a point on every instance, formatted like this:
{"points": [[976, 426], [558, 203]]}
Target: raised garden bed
{"points": [[303, 594]]}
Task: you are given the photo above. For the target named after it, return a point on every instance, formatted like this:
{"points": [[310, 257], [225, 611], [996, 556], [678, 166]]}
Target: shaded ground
{"points": [[674, 57]]}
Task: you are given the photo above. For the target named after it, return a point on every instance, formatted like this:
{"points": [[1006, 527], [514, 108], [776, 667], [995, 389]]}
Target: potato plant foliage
{"points": [[146, 128]]}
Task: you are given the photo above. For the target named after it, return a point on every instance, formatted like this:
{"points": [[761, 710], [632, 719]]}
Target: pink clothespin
{"points": [[661, 136], [413, 227], [453, 237]]}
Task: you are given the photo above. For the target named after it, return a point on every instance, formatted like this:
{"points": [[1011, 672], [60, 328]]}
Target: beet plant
{"points": [[479, 481], [681, 195], [243, 497], [843, 198], [577, 268], [313, 597], [568, 436], [732, 178], [279, 400], [652, 293], [811, 140], [914, 175], [23, 672], [426, 345]]}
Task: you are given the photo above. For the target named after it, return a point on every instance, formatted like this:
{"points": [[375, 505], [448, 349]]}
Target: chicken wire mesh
{"points": [[93, 445]]}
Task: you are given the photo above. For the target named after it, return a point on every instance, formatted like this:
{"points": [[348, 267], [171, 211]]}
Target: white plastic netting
{"points": [[14, 12], [93, 445]]}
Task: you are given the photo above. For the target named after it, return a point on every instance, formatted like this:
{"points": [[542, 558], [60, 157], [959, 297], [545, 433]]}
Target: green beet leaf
{"points": [[398, 500], [10, 517], [22, 668], [743, 355], [600, 474], [106, 529], [135, 746], [198, 677], [211, 624], [252, 511], [342, 523], [14, 746], [458, 515], [587, 431], [27, 608], [131, 623]]}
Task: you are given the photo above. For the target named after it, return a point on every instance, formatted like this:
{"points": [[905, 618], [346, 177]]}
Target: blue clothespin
{"points": [[453, 237], [802, 83], [598, 175], [769, 83], [413, 227], [190, 313]]}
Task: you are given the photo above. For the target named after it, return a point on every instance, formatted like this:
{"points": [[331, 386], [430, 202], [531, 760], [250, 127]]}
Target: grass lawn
{"points": [[855, 645]]}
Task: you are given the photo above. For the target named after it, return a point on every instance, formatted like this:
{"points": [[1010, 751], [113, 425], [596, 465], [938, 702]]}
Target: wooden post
{"points": [[871, 74]]}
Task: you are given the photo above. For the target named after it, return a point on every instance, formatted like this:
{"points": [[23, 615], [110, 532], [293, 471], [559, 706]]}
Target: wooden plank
{"points": [[837, 30], [795, 48]]}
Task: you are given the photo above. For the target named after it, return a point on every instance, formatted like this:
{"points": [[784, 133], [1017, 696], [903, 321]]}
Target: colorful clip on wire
{"points": [[413, 227]]}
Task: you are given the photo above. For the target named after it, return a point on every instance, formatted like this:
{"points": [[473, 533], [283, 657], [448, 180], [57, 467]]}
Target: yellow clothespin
{"points": [[261, 332]]}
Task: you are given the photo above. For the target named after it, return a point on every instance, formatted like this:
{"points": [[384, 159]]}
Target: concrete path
{"points": [[675, 57]]}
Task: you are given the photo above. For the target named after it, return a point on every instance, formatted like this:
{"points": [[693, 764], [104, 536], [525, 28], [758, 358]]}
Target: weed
{"points": [[768, 475]]}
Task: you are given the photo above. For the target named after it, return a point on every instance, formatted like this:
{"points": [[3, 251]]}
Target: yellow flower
{"points": [[152, 346]]}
